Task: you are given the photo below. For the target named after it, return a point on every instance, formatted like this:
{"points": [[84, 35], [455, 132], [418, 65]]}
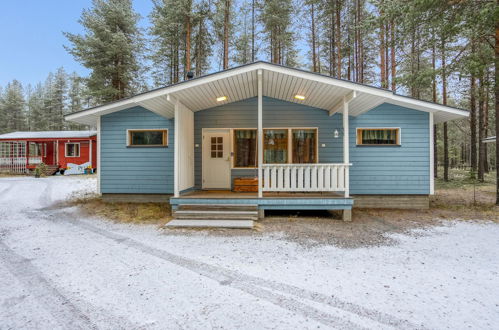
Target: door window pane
{"points": [[275, 146], [245, 154], [304, 146], [217, 147]]}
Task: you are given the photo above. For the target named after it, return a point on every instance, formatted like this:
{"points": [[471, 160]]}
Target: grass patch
{"points": [[465, 197], [136, 213]]}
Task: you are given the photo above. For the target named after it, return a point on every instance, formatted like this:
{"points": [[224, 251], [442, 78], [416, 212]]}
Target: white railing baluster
{"points": [[305, 177]]}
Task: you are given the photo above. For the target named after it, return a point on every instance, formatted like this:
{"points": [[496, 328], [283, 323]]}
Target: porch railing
{"points": [[305, 177], [13, 164]]}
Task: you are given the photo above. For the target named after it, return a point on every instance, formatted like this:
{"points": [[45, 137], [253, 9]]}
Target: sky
{"points": [[31, 37]]}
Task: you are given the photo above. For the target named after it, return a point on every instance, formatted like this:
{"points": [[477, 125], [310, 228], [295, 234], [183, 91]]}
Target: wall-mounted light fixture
{"points": [[336, 133], [221, 98], [299, 97]]}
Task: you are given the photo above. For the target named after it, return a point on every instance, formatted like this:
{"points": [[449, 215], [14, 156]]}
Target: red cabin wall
{"points": [[62, 160], [84, 152]]}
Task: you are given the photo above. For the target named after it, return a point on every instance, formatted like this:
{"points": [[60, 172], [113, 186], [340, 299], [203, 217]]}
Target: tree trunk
{"points": [[314, 55], [382, 52], [434, 99], [444, 101], [253, 31], [481, 129], [188, 33], [486, 124], [226, 34], [393, 62], [473, 155], [496, 92], [332, 43], [338, 38]]}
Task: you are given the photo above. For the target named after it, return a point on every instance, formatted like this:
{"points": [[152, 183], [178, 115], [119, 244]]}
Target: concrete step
{"points": [[214, 215], [197, 223], [217, 207]]}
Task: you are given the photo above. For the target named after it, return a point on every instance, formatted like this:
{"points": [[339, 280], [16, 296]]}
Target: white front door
{"points": [[216, 158]]}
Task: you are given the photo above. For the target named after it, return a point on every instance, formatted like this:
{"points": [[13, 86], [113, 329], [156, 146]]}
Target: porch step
{"points": [[214, 215], [51, 169], [197, 223], [217, 207]]}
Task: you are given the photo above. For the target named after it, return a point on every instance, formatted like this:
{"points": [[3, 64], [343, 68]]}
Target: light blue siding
{"points": [[375, 170], [392, 170], [135, 170], [276, 113]]}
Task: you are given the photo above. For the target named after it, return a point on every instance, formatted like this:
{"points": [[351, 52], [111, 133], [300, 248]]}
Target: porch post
{"points": [[176, 153], [90, 150], [346, 151], [260, 133]]}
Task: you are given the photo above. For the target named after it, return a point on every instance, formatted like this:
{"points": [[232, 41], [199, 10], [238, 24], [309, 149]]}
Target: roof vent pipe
{"points": [[190, 75]]}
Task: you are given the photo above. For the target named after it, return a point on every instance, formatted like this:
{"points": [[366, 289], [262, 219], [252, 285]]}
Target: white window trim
{"points": [[290, 144], [147, 129], [399, 137], [66, 149]]}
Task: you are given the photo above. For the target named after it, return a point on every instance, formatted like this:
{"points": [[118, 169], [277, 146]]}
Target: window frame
{"points": [[130, 131], [66, 149], [290, 145], [233, 148], [358, 137]]}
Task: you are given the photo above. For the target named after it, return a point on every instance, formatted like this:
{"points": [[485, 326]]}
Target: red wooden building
{"points": [[69, 152]]}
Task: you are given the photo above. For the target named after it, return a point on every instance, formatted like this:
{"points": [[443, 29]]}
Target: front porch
{"points": [[230, 201]]}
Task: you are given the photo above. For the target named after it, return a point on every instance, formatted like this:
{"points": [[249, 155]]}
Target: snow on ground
{"points": [[60, 270]]}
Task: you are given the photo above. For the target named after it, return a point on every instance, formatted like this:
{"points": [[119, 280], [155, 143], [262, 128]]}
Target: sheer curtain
{"points": [[275, 146], [245, 148], [304, 146]]}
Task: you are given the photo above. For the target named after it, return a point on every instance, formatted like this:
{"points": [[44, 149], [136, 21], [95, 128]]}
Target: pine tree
{"points": [[242, 53], [111, 48], [59, 99], [35, 108], [276, 18], [13, 106]]}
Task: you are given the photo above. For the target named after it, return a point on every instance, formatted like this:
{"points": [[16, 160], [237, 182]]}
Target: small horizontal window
{"points": [[72, 150], [148, 138], [378, 136]]}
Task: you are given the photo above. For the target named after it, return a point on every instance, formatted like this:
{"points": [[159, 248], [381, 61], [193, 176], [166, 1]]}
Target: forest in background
{"points": [[441, 51]]}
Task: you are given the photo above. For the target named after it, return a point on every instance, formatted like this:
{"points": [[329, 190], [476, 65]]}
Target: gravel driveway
{"points": [[60, 270]]}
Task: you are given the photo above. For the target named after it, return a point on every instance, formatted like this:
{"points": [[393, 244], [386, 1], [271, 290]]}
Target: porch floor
{"points": [[244, 195], [270, 200]]}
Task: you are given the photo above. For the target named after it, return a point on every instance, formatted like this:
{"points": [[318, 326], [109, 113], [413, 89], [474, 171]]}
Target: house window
{"points": [[378, 136], [304, 146], [275, 146], [217, 147], [148, 138], [245, 148], [36, 150], [280, 146], [72, 150]]}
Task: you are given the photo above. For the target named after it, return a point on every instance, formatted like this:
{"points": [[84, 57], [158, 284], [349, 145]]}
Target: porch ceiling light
{"points": [[299, 97], [221, 98]]}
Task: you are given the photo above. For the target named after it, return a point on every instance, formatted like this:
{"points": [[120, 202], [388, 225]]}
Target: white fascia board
{"points": [[325, 79], [428, 107]]}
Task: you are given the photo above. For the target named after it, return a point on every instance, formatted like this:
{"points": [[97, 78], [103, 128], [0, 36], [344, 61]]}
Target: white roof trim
{"points": [[282, 82]]}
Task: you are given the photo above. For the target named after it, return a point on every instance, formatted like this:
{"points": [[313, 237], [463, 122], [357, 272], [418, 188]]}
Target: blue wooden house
{"points": [[229, 145]]}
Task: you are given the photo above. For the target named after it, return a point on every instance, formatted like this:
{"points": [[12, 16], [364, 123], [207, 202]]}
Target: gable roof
{"points": [[48, 135], [280, 82]]}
